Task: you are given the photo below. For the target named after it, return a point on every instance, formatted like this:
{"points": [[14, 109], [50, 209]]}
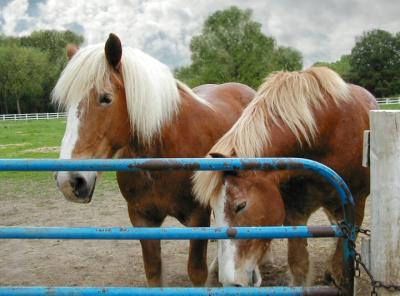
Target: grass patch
{"points": [[390, 107], [34, 139], [23, 139]]}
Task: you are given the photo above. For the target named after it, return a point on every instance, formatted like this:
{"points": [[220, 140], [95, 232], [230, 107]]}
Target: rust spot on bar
{"points": [[157, 165], [278, 165], [321, 231], [251, 165], [231, 232], [321, 291], [104, 229]]}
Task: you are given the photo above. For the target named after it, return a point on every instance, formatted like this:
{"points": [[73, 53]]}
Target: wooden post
{"points": [[385, 194]]}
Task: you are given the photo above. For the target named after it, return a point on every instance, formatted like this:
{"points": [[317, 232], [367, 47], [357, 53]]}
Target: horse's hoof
{"points": [[328, 278], [332, 279]]}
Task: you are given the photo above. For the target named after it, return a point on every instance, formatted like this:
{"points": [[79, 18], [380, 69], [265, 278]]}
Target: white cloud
{"points": [[321, 30], [12, 13]]}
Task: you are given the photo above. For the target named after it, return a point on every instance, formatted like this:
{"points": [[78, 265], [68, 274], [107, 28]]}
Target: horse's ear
{"points": [[113, 50], [71, 50], [220, 155]]}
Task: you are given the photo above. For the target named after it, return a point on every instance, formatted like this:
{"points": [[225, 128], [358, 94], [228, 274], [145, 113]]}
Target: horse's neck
{"points": [[182, 136], [283, 143]]}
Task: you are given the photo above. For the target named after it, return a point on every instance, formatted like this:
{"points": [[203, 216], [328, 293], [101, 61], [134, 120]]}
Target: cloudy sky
{"points": [[320, 29]]}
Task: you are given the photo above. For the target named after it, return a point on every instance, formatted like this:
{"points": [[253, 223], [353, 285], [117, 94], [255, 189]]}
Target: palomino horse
{"points": [[311, 114], [122, 102]]}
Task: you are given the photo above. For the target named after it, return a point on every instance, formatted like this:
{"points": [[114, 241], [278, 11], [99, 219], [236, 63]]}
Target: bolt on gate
{"points": [[131, 233]]}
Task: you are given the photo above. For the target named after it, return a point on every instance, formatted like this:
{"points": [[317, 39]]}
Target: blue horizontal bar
{"points": [[145, 164], [125, 291], [191, 164], [169, 233]]}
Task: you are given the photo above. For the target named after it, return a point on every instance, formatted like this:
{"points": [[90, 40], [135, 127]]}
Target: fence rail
{"points": [[127, 291], [38, 116], [388, 101], [169, 233], [32, 116]]}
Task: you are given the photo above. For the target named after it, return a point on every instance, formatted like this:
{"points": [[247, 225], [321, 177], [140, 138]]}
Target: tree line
{"points": [[29, 68], [374, 63], [230, 47]]}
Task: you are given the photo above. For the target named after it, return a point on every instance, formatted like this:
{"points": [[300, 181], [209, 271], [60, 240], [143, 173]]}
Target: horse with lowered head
{"points": [[311, 114], [122, 102]]}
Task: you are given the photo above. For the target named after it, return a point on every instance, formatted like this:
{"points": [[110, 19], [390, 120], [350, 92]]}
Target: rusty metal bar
{"points": [[169, 233], [125, 291]]}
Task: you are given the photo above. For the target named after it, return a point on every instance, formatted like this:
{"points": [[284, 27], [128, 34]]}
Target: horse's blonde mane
{"points": [[284, 99], [152, 94]]}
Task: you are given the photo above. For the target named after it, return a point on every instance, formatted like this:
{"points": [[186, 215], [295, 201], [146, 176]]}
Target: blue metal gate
{"points": [[131, 233]]}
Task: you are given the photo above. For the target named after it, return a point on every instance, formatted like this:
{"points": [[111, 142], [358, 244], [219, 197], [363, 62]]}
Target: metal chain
{"points": [[364, 231], [346, 229]]}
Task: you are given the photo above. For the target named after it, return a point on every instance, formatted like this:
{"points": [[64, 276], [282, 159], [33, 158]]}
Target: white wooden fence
{"points": [[37, 116], [32, 116], [388, 101]]}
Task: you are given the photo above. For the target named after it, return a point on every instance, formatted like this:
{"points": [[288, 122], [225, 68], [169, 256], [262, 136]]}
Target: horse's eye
{"points": [[240, 207], [105, 99]]}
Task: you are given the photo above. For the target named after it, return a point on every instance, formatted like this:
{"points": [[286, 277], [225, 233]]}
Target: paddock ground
{"points": [[31, 199], [105, 263]]}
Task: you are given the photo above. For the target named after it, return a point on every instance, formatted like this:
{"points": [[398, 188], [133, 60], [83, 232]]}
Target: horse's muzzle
{"points": [[76, 186]]}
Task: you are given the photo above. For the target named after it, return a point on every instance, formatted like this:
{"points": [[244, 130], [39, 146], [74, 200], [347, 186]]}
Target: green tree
{"points": [[54, 44], [375, 62], [231, 47], [24, 71], [287, 58], [341, 66], [51, 44]]}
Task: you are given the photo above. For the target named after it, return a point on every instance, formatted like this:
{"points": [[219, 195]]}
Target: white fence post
{"points": [[385, 194]]}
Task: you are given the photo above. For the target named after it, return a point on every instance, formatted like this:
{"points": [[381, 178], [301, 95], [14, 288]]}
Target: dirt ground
{"points": [[107, 263]]}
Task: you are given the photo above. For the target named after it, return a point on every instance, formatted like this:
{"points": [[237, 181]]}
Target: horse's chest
{"points": [[169, 193]]}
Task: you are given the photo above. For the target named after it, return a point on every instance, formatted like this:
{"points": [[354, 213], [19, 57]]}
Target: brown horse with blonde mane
{"points": [[311, 114], [123, 103]]}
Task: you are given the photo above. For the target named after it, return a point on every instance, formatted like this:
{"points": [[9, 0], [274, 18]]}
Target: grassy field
{"points": [[32, 139], [390, 107]]}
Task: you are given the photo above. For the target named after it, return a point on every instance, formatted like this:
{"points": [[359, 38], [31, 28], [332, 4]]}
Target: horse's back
{"points": [[231, 93], [365, 98]]}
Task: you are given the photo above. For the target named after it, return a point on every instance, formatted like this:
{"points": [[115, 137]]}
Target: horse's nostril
{"points": [[79, 182], [79, 186]]}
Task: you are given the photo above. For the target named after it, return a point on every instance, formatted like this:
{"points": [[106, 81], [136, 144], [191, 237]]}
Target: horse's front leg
{"points": [[151, 249], [298, 257], [197, 261], [336, 268]]}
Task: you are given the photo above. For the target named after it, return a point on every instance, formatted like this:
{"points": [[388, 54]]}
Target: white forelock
{"points": [[151, 90]]}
